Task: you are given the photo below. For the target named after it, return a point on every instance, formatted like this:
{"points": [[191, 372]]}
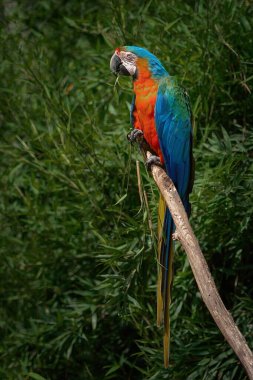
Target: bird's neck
{"points": [[143, 77]]}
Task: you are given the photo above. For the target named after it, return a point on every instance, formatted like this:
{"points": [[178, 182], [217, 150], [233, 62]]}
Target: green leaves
{"points": [[78, 260], [35, 376]]}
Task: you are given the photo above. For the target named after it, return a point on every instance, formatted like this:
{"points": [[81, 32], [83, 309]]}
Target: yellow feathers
{"points": [[164, 291], [161, 215]]}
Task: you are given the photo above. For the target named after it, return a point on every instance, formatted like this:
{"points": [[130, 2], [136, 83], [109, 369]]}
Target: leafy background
{"points": [[78, 260]]}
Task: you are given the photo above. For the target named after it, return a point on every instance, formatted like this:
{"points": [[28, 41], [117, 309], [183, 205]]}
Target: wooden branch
{"points": [[200, 269]]}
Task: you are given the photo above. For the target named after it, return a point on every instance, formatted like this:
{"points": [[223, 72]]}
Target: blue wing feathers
{"points": [[173, 125], [132, 111]]}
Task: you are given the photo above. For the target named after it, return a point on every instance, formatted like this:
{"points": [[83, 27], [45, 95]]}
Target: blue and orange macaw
{"points": [[161, 113]]}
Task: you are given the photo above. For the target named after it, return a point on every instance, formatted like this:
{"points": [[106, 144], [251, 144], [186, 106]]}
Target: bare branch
{"points": [[200, 269]]}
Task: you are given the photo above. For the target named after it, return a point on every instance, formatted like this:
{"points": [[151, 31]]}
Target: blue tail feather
{"points": [[168, 229]]}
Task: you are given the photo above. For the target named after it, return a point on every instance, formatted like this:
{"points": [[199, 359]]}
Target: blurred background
{"points": [[78, 257]]}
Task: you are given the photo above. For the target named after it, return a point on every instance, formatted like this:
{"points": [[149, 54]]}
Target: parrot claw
{"points": [[175, 236], [153, 160], [136, 135]]}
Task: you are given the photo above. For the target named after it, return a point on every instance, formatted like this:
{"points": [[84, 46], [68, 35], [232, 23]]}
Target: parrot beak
{"points": [[117, 66]]}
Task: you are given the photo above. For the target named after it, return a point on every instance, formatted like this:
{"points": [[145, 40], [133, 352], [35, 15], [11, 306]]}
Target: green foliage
{"points": [[78, 260]]}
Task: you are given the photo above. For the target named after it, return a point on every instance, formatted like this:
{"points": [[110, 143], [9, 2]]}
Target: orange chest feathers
{"points": [[145, 89]]}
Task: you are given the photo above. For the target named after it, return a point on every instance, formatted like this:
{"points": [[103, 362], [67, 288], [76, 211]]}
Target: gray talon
{"points": [[135, 135], [153, 160]]}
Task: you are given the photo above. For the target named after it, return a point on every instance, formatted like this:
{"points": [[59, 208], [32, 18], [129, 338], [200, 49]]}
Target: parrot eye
{"points": [[129, 57]]}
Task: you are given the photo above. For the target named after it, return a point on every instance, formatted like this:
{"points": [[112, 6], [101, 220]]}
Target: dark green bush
{"points": [[78, 262]]}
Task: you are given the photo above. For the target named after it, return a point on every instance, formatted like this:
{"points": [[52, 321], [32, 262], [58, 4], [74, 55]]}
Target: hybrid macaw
{"points": [[161, 113]]}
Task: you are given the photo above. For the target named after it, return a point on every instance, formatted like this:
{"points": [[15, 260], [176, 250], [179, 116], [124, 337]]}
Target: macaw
{"points": [[161, 114]]}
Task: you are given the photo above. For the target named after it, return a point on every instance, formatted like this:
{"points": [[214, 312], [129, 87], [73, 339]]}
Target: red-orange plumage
{"points": [[145, 89]]}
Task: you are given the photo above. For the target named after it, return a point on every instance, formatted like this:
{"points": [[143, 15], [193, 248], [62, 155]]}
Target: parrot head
{"points": [[130, 60], [123, 62]]}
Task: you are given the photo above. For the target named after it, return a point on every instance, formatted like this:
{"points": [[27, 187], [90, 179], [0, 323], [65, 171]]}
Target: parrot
{"points": [[160, 114]]}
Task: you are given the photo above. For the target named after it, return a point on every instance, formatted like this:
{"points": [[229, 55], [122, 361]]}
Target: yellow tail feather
{"points": [[166, 344], [163, 315], [159, 302], [161, 215], [166, 338]]}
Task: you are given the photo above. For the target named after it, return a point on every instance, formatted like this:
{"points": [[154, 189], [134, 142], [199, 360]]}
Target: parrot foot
{"points": [[175, 236], [153, 160], [136, 135]]}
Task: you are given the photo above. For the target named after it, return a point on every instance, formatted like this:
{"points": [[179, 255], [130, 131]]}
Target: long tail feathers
{"points": [[165, 259], [161, 216]]}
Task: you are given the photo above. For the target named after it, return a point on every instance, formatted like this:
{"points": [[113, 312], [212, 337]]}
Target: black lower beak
{"points": [[117, 67]]}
